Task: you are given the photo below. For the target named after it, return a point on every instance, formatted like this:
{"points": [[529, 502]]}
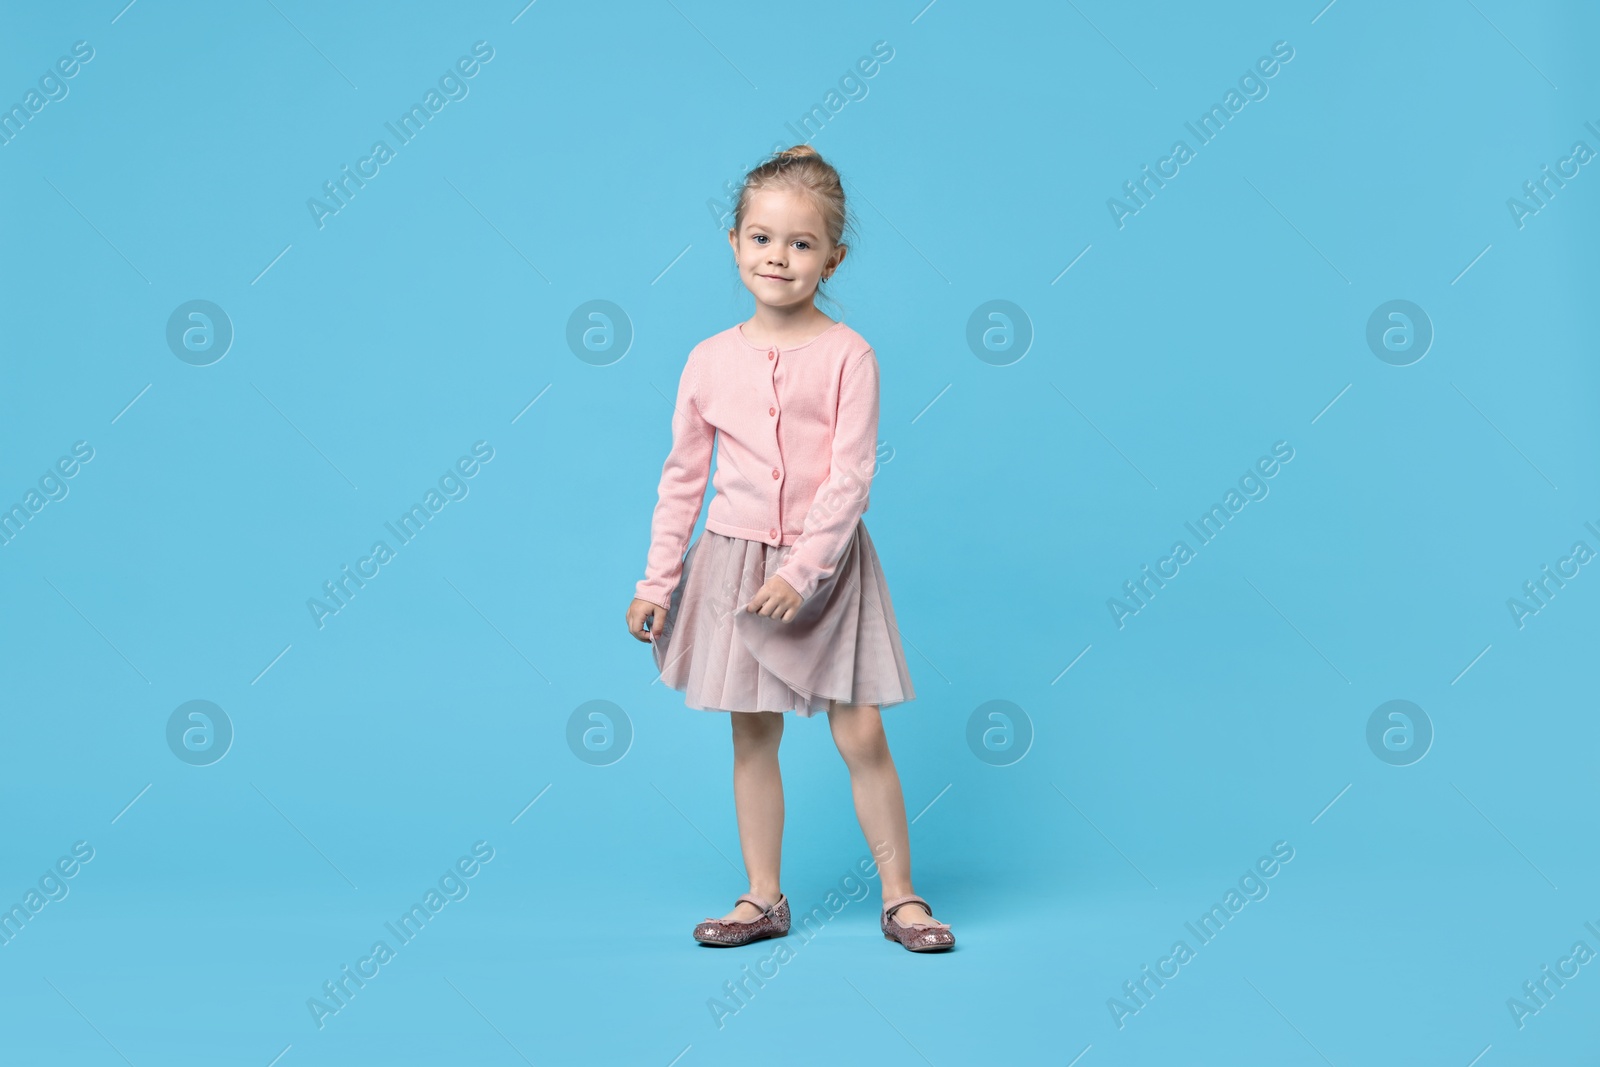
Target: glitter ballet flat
{"points": [[772, 922], [917, 937]]}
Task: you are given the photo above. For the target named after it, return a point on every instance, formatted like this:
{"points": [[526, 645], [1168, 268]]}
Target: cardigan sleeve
{"points": [[682, 489], [843, 497]]}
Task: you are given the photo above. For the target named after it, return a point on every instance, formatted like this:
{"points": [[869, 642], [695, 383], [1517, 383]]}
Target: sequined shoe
{"points": [[918, 937], [772, 922]]}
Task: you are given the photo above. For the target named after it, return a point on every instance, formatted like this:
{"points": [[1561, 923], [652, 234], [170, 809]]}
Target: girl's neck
{"points": [[785, 326]]}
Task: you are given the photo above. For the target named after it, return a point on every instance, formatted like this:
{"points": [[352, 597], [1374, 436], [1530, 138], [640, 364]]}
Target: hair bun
{"points": [[797, 151]]}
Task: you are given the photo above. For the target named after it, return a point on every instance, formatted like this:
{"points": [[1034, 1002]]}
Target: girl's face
{"points": [[783, 249]]}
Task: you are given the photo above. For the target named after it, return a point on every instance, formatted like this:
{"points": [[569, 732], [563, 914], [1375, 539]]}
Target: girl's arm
{"points": [[683, 487], [843, 497]]}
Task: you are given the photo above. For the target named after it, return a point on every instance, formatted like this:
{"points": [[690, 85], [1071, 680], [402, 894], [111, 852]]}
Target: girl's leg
{"points": [[880, 806], [758, 796]]}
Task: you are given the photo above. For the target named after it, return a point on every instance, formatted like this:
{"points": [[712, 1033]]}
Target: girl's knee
{"points": [[865, 753], [860, 738]]}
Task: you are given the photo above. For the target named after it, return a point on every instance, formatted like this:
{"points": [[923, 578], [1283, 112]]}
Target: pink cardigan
{"points": [[798, 428]]}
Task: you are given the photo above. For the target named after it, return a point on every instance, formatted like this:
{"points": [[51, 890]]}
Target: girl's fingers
{"points": [[773, 605], [654, 614]]}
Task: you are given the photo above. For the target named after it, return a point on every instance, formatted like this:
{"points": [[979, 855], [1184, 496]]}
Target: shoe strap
{"points": [[758, 902], [892, 906]]}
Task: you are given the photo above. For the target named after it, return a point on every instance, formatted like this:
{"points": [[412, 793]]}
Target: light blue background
{"points": [[1228, 314]]}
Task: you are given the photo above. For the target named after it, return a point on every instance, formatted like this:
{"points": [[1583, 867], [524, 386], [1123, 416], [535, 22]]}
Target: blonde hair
{"points": [[800, 169]]}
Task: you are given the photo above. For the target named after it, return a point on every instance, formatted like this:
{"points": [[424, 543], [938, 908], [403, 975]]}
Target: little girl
{"points": [[781, 603]]}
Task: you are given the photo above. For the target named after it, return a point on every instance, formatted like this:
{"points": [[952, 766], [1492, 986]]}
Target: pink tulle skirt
{"points": [[841, 645]]}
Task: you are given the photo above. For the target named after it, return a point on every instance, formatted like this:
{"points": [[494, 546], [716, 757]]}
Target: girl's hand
{"points": [[640, 610], [776, 598]]}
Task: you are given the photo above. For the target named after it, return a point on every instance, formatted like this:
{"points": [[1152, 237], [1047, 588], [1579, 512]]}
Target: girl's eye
{"points": [[802, 244], [759, 238]]}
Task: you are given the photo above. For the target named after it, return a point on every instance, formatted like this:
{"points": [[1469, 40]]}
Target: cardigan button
{"points": [[770, 355], [774, 472], [772, 411], [773, 534]]}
